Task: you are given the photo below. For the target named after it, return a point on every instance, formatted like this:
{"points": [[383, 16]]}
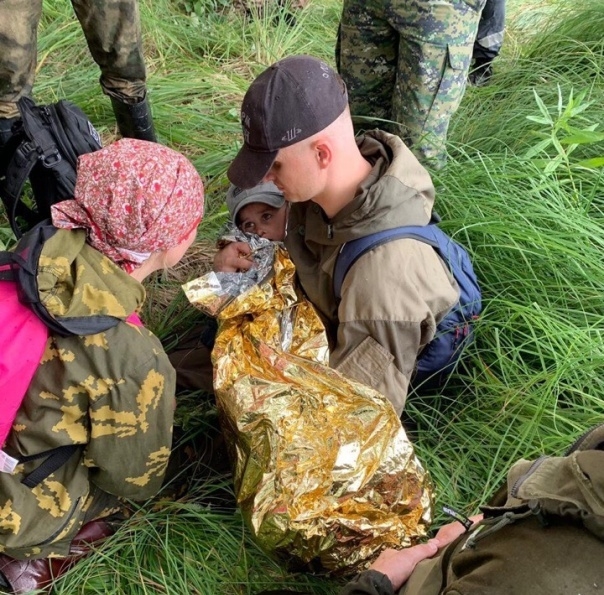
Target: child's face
{"points": [[263, 220]]}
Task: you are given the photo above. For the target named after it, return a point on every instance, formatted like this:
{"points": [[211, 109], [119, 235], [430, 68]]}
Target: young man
{"points": [[298, 134]]}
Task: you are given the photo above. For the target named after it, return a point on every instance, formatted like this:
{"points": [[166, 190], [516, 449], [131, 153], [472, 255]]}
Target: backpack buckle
{"points": [[23, 150], [50, 158]]}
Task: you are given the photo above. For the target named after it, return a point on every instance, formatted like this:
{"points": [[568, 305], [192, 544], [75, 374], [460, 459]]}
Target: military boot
{"points": [[134, 120], [24, 576], [481, 72]]}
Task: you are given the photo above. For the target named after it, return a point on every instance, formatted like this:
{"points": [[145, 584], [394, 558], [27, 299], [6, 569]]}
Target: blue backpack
{"points": [[454, 332]]}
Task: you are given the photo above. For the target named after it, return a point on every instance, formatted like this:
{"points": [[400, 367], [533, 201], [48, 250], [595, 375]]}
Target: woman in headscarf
{"points": [[99, 405]]}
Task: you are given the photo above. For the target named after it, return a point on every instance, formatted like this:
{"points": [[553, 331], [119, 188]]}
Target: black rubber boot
{"points": [[6, 125], [481, 72], [134, 120]]}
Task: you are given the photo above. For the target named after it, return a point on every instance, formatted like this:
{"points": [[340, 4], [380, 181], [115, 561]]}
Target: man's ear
{"points": [[323, 153]]}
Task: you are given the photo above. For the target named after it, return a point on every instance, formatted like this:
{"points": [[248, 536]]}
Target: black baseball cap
{"points": [[290, 101]]}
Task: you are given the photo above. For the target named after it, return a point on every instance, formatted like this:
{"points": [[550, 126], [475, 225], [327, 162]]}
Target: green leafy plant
{"points": [[199, 9], [562, 134]]}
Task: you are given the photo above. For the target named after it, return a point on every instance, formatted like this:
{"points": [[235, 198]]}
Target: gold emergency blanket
{"points": [[324, 473]]}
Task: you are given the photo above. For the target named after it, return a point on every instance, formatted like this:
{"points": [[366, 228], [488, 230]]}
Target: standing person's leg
{"points": [[113, 33], [366, 56], [434, 55], [18, 55], [489, 40]]}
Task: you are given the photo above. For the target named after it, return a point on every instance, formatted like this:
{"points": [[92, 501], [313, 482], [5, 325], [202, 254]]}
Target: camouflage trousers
{"points": [[491, 26], [113, 34], [406, 62]]}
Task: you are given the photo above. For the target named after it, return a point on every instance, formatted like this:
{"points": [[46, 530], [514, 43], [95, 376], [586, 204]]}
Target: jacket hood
{"points": [[397, 192], [570, 486], [75, 281]]}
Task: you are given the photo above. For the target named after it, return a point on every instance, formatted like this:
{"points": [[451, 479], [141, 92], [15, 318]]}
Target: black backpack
{"points": [[44, 147]]}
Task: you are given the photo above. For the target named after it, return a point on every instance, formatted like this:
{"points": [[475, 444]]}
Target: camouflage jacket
{"points": [[112, 393], [394, 295]]}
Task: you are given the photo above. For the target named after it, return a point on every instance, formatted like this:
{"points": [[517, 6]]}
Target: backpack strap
{"points": [[39, 145], [7, 266], [53, 150], [55, 458], [351, 251], [17, 172], [26, 255]]}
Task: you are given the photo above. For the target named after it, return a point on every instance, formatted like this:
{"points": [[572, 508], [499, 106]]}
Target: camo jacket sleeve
{"points": [[131, 423], [111, 395]]}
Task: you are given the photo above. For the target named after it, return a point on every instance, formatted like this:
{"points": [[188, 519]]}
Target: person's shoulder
{"points": [[402, 272], [401, 259], [126, 349]]}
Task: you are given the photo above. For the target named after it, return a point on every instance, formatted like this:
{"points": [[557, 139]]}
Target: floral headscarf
{"points": [[134, 197]]}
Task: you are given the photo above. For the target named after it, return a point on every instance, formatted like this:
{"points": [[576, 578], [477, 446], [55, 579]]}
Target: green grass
{"points": [[529, 213]]}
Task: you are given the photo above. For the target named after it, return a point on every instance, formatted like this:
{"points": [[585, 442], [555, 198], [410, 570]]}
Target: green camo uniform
{"points": [[112, 393], [407, 61], [112, 31]]}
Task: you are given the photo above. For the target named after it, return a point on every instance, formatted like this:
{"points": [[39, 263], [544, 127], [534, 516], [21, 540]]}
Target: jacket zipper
{"points": [[523, 478], [577, 443]]}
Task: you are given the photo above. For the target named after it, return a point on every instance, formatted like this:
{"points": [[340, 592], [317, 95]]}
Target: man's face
{"points": [[262, 219], [296, 173]]}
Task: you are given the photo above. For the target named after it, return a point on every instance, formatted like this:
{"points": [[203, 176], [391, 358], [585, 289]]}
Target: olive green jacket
{"points": [[112, 393], [393, 296], [546, 538]]}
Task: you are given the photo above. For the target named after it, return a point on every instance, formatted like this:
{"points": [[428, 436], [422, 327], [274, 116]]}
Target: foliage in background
{"points": [[523, 190]]}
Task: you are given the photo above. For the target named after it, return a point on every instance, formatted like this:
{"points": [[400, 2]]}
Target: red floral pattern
{"points": [[134, 197]]}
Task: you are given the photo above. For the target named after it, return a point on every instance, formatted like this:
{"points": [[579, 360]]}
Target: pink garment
{"points": [[134, 319], [23, 338], [134, 197]]}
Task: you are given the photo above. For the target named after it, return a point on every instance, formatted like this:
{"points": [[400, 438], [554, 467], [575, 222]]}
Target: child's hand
{"points": [[233, 258]]}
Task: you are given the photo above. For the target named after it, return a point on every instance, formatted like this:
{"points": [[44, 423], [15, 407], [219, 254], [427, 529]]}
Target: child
{"points": [[261, 210]]}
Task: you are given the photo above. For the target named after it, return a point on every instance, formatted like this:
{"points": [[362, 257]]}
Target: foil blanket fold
{"points": [[323, 470]]}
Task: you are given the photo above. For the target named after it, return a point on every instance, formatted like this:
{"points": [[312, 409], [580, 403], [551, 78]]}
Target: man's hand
{"points": [[449, 533], [233, 258], [398, 565]]}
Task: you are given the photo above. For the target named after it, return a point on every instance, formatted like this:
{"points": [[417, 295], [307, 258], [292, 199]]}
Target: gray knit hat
{"points": [[268, 194]]}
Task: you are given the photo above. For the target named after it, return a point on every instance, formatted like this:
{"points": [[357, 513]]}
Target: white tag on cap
{"points": [[7, 463]]}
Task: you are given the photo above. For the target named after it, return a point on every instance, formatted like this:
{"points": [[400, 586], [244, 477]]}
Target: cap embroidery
{"points": [[291, 134]]}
